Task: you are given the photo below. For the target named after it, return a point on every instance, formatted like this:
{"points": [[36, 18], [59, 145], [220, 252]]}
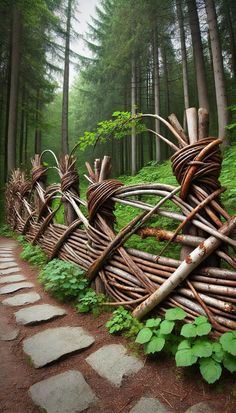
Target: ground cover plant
{"points": [[89, 301], [190, 343], [64, 280], [33, 254]]}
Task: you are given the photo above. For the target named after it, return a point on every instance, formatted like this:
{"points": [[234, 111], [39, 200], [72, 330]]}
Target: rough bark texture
{"points": [[38, 133], [65, 99], [217, 58], [133, 111], [15, 62], [156, 93], [183, 53], [198, 55]]}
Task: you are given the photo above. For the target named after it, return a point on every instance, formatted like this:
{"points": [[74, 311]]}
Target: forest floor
{"points": [[176, 388]]}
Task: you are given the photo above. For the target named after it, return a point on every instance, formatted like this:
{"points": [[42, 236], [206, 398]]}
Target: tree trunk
{"points": [[221, 98], [26, 132], [38, 133], [133, 111], [198, 55], [22, 125], [156, 94], [65, 97], [232, 37], [7, 117], [15, 63], [183, 53], [165, 149]]}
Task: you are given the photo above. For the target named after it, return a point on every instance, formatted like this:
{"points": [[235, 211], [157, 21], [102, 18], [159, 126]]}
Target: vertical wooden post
{"points": [[69, 184], [38, 177]]}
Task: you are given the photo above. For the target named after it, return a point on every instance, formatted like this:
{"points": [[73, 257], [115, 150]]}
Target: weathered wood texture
{"points": [[141, 281]]}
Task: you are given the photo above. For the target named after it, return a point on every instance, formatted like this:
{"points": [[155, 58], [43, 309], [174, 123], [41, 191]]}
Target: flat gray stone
{"points": [[49, 345], [201, 407], [9, 264], [9, 270], [7, 289], [12, 278], [22, 299], [112, 363], [65, 393], [38, 313], [6, 255], [149, 405], [6, 259]]}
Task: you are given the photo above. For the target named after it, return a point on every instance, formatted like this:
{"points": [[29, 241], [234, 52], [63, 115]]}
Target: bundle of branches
{"points": [[133, 278]]}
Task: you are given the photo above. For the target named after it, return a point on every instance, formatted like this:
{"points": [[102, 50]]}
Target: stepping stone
{"points": [[64, 393], [5, 265], [112, 363], [50, 345], [6, 259], [6, 255], [201, 407], [38, 313], [149, 405], [7, 289], [12, 278], [9, 270], [22, 299]]}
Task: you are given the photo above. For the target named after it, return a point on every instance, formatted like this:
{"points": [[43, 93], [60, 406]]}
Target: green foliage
{"points": [[64, 280], [228, 342], [119, 127], [6, 231], [157, 333], [200, 327], [122, 321], [195, 347], [90, 301], [233, 124], [228, 179], [33, 254]]}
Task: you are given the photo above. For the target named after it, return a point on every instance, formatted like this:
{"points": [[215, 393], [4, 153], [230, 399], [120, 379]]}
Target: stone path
{"points": [[68, 392]]}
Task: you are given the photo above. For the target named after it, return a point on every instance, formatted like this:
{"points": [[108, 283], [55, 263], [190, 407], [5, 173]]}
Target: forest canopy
{"points": [[152, 56]]}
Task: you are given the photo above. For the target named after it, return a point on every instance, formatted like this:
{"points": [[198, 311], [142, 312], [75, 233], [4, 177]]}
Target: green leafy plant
{"points": [[90, 301], [6, 231], [157, 333], [119, 127], [64, 280], [122, 321], [190, 343], [33, 254]]}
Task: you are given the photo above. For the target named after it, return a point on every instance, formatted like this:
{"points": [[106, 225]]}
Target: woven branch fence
{"points": [[202, 281]]}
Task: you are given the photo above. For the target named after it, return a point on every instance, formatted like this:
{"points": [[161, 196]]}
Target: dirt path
{"points": [[176, 388]]}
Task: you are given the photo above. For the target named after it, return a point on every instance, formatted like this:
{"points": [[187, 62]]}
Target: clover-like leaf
{"points": [[173, 314], [229, 362], [153, 322], [210, 369], [188, 330], [144, 336], [185, 357], [166, 326], [228, 341], [202, 348], [217, 352], [155, 345], [199, 320]]}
